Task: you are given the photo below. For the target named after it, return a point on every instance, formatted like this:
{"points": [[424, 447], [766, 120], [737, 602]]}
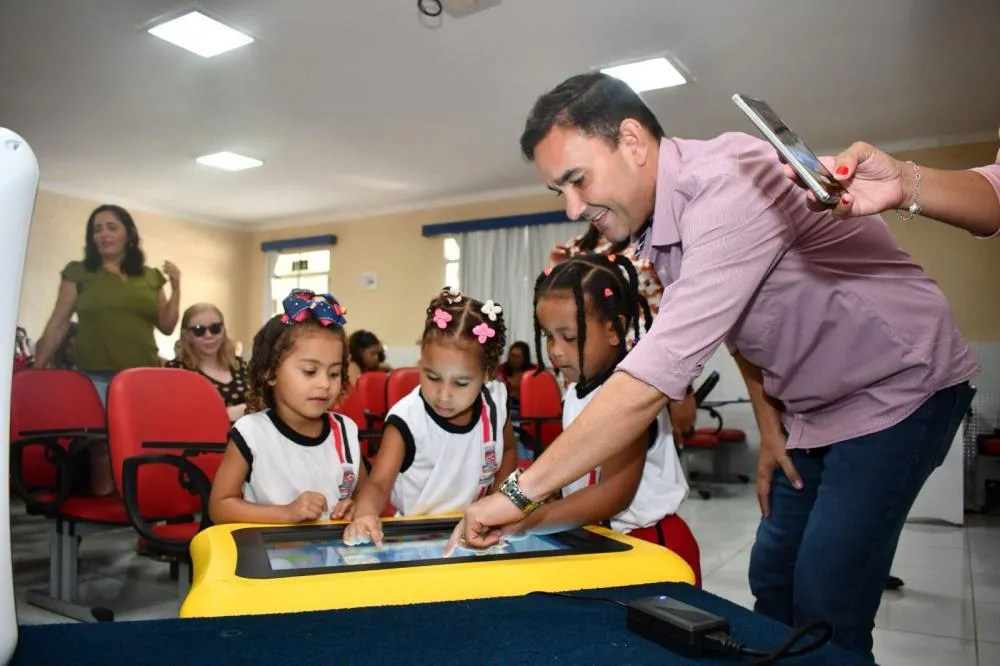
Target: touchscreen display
{"points": [[327, 553]]}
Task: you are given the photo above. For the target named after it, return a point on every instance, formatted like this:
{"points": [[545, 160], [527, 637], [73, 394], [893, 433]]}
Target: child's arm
{"points": [[226, 503], [373, 493], [620, 477], [509, 456]]}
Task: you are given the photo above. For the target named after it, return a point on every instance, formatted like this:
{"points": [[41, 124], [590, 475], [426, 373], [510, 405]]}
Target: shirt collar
{"points": [[663, 229]]}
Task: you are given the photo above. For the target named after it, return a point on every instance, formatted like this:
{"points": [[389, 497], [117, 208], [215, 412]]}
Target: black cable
{"points": [[580, 596], [430, 8], [726, 645]]}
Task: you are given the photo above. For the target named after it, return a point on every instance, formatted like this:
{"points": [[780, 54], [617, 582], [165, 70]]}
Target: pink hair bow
{"points": [[441, 318], [483, 332]]}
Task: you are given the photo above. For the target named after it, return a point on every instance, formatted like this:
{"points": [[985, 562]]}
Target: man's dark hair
{"points": [[595, 103]]}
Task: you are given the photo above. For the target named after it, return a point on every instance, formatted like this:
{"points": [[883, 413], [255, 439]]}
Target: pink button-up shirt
{"points": [[850, 333], [992, 174]]}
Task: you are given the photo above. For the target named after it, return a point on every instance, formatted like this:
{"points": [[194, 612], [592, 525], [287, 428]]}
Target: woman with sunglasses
{"points": [[205, 347]]}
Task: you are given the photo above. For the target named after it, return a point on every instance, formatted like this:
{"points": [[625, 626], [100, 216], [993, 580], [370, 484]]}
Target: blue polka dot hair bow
{"points": [[302, 303]]}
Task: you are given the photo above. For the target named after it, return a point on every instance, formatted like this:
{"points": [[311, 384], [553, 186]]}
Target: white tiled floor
{"points": [[948, 613]]}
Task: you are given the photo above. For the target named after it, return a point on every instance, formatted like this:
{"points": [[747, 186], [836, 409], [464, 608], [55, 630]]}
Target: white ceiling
{"points": [[359, 105]]}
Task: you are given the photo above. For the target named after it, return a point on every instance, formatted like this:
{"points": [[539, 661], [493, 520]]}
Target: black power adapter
{"points": [[677, 626], [692, 632]]}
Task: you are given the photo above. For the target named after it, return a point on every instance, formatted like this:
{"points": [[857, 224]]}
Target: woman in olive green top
{"points": [[118, 301]]}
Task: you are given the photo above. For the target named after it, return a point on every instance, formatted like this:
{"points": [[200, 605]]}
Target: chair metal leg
{"points": [[63, 594]]}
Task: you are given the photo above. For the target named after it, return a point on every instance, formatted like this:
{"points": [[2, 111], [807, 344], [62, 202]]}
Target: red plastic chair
{"points": [[56, 416], [399, 384], [167, 431], [371, 386], [540, 420], [352, 406]]}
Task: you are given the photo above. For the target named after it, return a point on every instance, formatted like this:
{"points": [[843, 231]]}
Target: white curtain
{"points": [[503, 264], [268, 304]]}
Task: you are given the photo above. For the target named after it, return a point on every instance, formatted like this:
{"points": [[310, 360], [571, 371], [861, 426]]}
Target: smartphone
{"points": [[808, 167]]}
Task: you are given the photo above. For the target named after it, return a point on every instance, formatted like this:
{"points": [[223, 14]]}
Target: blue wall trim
{"points": [[292, 243], [494, 223]]}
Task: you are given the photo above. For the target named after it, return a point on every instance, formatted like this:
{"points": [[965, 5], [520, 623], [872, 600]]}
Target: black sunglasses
{"points": [[200, 331]]}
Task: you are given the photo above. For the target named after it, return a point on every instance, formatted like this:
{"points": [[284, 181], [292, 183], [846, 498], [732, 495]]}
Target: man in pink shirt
{"points": [[857, 373]]}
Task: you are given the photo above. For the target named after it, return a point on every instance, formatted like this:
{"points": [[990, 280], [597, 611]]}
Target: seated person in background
{"points": [[367, 355], [290, 459], [450, 441], [205, 347], [583, 308], [510, 372]]}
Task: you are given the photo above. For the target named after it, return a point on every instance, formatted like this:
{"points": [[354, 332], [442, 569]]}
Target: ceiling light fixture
{"points": [[200, 34], [228, 161], [644, 75]]}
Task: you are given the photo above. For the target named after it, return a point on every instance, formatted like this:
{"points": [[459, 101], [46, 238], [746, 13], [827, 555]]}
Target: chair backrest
{"points": [[352, 406], [53, 400], [371, 386], [165, 413], [399, 384], [541, 399], [50, 400]]}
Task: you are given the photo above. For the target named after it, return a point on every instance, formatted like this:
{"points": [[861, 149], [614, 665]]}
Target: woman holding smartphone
{"points": [[876, 182]]}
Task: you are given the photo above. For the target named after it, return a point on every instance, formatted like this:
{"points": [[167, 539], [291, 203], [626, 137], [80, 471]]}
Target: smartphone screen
{"points": [[792, 142]]}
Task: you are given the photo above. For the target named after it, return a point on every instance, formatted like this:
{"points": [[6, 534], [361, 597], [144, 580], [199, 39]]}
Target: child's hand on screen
{"points": [[364, 529]]}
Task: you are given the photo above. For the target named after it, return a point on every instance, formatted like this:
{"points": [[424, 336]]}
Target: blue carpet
{"points": [[519, 631]]}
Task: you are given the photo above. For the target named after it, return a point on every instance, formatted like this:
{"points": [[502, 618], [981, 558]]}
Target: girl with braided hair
{"points": [[450, 441], [585, 308]]}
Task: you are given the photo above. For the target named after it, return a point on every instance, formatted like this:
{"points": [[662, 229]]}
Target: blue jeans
{"points": [[826, 550], [101, 382]]}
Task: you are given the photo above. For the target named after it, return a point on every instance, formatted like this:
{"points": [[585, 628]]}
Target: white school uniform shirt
{"points": [[662, 486], [284, 463], [447, 467]]}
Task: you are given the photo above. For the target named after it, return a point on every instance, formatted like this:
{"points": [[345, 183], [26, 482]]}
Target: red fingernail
{"points": [[845, 200], [842, 171]]}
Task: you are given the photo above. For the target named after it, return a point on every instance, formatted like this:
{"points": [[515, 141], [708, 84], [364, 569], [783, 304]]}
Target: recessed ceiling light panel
{"points": [[200, 34], [646, 75], [228, 161]]}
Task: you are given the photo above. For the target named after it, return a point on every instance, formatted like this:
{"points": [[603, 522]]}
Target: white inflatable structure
{"points": [[18, 187]]}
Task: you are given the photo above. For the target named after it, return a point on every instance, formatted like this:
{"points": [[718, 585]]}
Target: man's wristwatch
{"points": [[513, 492]]}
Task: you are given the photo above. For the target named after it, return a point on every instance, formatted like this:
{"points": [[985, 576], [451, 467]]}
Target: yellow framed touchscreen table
{"points": [[217, 589]]}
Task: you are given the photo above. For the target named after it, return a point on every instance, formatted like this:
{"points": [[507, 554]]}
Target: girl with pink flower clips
{"points": [[450, 441]]}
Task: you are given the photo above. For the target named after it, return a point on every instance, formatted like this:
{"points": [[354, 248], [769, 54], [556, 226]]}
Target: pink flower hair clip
{"points": [[491, 310], [483, 332], [441, 318]]}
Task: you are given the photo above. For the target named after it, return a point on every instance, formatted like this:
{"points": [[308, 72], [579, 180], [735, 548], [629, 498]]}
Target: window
{"points": [[299, 270], [452, 261]]}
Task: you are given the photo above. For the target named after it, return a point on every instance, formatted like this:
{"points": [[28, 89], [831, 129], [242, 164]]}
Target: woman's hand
{"points": [[173, 274], [874, 181]]}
